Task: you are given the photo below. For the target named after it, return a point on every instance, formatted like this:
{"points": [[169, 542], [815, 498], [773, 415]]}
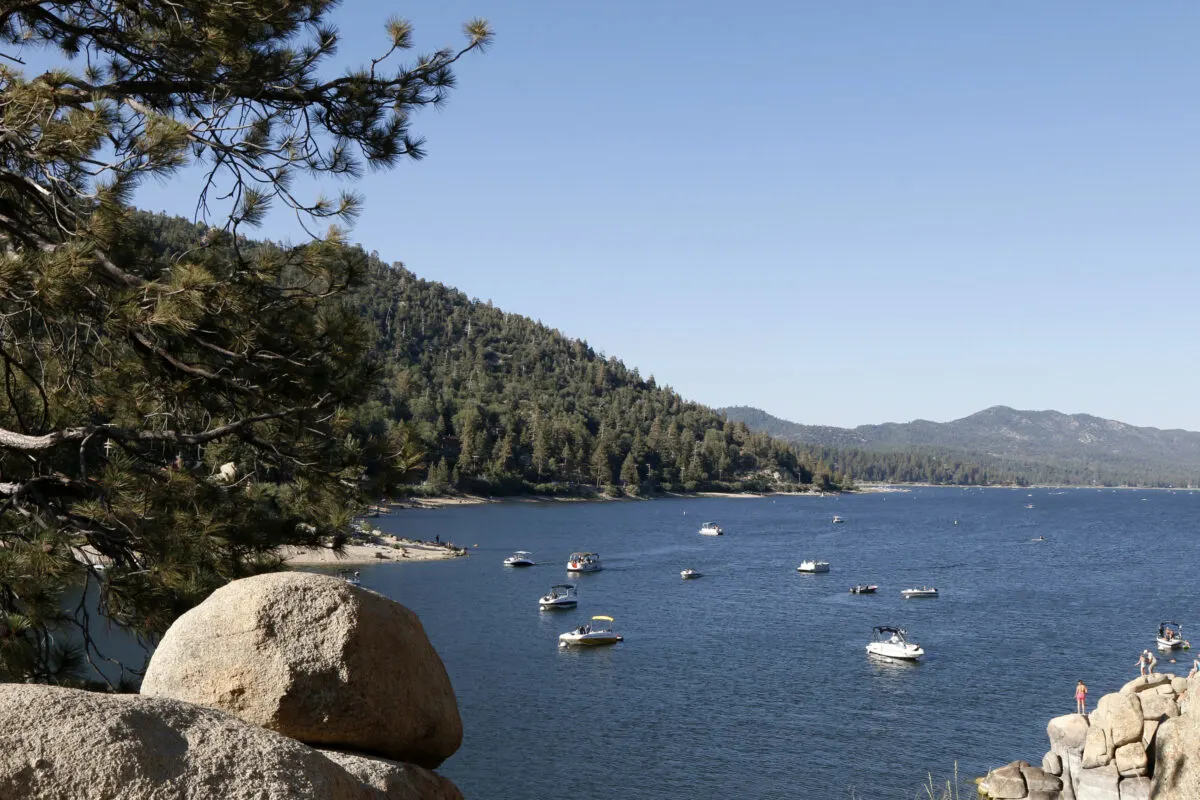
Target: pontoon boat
{"points": [[863, 588], [1170, 635], [813, 566], [890, 643], [691, 573], [711, 529], [584, 562], [598, 631], [562, 595], [521, 558], [924, 591]]}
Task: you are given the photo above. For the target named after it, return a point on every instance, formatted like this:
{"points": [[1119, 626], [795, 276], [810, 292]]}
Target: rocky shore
{"points": [[286, 685], [1140, 742]]}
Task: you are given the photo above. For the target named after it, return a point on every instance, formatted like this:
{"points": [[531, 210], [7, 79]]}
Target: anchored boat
{"points": [[597, 632], [521, 558], [562, 595], [711, 529], [924, 591], [813, 566], [891, 643], [584, 562]]}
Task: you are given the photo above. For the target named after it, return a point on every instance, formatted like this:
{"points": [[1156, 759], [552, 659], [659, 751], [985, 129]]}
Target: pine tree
{"points": [[181, 417]]}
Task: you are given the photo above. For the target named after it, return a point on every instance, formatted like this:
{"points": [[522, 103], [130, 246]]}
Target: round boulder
{"points": [[316, 659]]}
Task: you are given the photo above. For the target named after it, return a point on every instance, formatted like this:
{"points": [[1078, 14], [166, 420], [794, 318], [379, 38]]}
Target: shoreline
{"points": [[390, 550], [444, 501]]}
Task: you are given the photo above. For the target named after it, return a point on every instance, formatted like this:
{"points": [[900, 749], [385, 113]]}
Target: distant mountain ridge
{"points": [[1107, 449]]}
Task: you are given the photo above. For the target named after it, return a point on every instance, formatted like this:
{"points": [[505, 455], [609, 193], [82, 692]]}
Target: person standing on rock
{"points": [[1081, 698], [1146, 662]]}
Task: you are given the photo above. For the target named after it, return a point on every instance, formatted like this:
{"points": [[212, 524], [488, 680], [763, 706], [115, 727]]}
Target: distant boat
{"points": [[924, 591], [598, 631], [350, 576], [836, 518], [891, 643], [711, 529], [1170, 635], [521, 558], [863, 588], [1038, 539], [690, 573], [584, 562], [813, 566], [562, 595], [1029, 505]]}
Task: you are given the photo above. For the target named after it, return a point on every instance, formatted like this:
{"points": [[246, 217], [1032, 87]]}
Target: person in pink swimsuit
{"points": [[1081, 697]]}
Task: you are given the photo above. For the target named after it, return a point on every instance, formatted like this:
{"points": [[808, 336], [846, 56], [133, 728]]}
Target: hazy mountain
{"points": [[1079, 441]]}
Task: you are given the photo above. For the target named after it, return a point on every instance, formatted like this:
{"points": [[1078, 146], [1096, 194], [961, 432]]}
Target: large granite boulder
{"points": [[1177, 759], [1098, 783], [1135, 789], [1131, 760], [1068, 733], [1097, 749], [395, 781], [63, 744], [1005, 783], [1121, 716], [1158, 706], [317, 660], [1144, 682]]}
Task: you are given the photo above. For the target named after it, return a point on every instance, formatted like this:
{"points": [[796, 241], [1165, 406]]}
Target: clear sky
{"points": [[843, 213]]}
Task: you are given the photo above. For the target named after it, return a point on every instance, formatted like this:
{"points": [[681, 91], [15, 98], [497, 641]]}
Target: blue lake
{"points": [[753, 681]]}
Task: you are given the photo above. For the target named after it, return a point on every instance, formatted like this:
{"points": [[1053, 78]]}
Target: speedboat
{"points": [[350, 576], [584, 562], [521, 558], [1038, 539], [1029, 505], [562, 595], [924, 591], [813, 566], [863, 588], [836, 518], [711, 529], [598, 631], [890, 643], [691, 573], [1170, 635]]}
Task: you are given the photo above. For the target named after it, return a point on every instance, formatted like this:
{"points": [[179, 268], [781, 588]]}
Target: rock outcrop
{"points": [[317, 660], [67, 743], [261, 664], [1139, 743]]}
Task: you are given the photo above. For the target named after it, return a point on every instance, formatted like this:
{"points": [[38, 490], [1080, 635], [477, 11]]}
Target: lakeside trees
{"points": [[179, 412]]}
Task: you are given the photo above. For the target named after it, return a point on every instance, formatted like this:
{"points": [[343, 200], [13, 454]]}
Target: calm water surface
{"points": [[752, 681]]}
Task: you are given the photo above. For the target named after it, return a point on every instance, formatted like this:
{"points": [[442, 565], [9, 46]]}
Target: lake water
{"points": [[753, 681]]}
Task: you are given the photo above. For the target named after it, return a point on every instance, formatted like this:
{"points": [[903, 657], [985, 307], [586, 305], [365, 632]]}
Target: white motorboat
{"points": [[1170, 635], [584, 562], [562, 595], [690, 573], [813, 566], [890, 643], [923, 591], [711, 529], [350, 576], [521, 558], [836, 518], [597, 632], [863, 588]]}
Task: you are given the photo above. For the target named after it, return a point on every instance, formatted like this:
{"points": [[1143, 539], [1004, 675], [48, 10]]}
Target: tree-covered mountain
{"points": [[1034, 446]]}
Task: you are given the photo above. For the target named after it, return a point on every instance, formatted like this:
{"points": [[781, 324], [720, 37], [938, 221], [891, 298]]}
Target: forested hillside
{"points": [[1001, 444]]}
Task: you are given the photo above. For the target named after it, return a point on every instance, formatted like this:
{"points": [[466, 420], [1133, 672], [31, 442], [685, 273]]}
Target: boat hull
{"points": [[1169, 644], [902, 652], [584, 568], [587, 639], [521, 563], [553, 604], [917, 594], [813, 569]]}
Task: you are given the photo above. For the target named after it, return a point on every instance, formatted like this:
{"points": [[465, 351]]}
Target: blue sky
{"points": [[841, 213]]}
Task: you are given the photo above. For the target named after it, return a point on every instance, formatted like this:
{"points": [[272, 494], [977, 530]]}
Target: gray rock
{"points": [[1052, 763], [394, 780], [1068, 733], [315, 659], [1176, 773], [1038, 781], [1135, 789], [1158, 706], [67, 744], [1098, 783], [1144, 682], [1121, 716], [1179, 684], [1095, 749], [1131, 759], [1149, 729], [1005, 783]]}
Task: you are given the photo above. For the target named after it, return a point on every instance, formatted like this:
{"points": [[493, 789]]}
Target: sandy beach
{"points": [[391, 549]]}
